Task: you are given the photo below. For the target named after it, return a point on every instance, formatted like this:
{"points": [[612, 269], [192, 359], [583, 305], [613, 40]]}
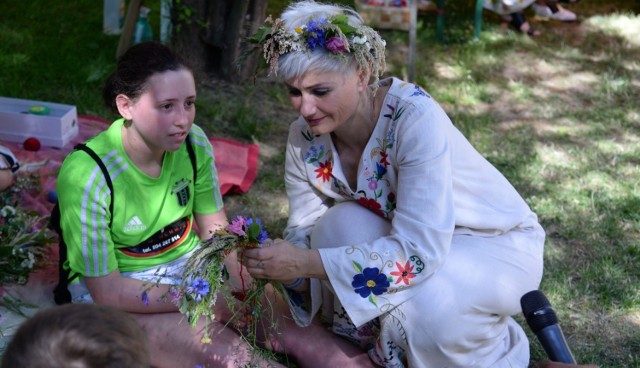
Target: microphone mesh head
{"points": [[537, 310]]}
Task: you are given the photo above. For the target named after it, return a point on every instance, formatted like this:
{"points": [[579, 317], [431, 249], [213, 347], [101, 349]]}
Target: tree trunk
{"points": [[211, 33], [188, 18]]}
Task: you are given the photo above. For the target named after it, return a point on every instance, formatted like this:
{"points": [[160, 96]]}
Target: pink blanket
{"points": [[237, 163]]}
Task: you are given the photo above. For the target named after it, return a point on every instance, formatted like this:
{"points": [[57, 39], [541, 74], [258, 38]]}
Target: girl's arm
{"points": [[208, 224], [138, 296], [129, 294]]}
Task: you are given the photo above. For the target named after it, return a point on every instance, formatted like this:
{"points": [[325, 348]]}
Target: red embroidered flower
{"points": [[383, 158], [324, 171], [403, 273], [372, 205]]}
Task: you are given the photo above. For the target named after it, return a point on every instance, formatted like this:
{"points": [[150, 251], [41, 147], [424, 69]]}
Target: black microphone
{"points": [[543, 322]]}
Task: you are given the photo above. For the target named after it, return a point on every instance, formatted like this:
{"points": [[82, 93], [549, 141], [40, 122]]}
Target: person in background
{"points": [[551, 9], [78, 335], [512, 12], [401, 236], [8, 166]]}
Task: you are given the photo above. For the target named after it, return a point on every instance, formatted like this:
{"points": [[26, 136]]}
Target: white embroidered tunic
{"points": [[420, 173]]}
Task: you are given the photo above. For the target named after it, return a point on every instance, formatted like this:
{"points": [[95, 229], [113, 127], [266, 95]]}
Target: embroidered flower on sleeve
{"points": [[370, 281], [404, 273], [372, 205], [419, 91], [324, 171]]}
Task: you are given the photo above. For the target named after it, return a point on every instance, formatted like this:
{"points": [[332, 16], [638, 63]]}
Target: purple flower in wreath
{"points": [[335, 44], [237, 225], [371, 280], [199, 288]]}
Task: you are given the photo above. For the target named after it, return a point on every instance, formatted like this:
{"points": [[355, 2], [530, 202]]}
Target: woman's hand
{"points": [[280, 260]]}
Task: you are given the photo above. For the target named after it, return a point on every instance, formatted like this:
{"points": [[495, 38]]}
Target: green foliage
{"points": [[25, 236]]}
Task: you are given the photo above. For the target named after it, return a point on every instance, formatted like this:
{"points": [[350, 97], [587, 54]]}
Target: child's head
{"points": [[78, 336], [134, 69]]}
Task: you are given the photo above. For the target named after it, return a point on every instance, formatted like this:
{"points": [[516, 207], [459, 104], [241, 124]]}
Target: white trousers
{"points": [[460, 317], [507, 6]]}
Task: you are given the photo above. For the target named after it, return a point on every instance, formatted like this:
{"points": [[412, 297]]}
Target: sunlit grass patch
{"points": [[622, 25]]}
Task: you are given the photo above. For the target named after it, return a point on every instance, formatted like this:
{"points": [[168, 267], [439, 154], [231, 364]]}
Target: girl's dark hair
{"points": [[134, 69], [78, 335]]}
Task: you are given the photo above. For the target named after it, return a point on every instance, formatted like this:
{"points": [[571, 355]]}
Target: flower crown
{"points": [[334, 34]]}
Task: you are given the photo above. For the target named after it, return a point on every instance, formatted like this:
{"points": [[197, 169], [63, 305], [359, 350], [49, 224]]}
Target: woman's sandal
{"points": [[520, 24]]}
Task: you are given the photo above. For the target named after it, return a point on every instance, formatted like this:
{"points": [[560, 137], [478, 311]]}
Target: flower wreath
{"points": [[204, 274], [334, 35]]}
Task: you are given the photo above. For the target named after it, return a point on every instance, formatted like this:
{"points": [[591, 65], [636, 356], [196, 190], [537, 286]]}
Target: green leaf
{"points": [[342, 21], [357, 266], [253, 231], [373, 300], [260, 35]]}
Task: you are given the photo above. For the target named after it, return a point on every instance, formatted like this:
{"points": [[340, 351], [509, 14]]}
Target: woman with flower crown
{"points": [[400, 236]]}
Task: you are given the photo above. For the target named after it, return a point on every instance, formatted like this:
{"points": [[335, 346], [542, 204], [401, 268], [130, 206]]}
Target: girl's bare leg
{"points": [[173, 343]]}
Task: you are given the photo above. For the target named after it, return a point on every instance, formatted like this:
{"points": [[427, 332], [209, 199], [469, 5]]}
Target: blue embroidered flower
{"points": [[419, 92], [370, 281], [380, 170], [314, 154]]}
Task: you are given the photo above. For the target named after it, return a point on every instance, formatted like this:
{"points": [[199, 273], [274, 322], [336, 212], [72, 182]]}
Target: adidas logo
{"points": [[134, 225]]}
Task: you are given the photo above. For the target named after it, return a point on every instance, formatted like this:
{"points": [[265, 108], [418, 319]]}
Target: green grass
{"points": [[558, 115]]}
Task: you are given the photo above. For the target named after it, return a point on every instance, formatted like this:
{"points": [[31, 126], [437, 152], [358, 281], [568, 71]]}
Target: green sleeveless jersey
{"points": [[152, 220]]}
